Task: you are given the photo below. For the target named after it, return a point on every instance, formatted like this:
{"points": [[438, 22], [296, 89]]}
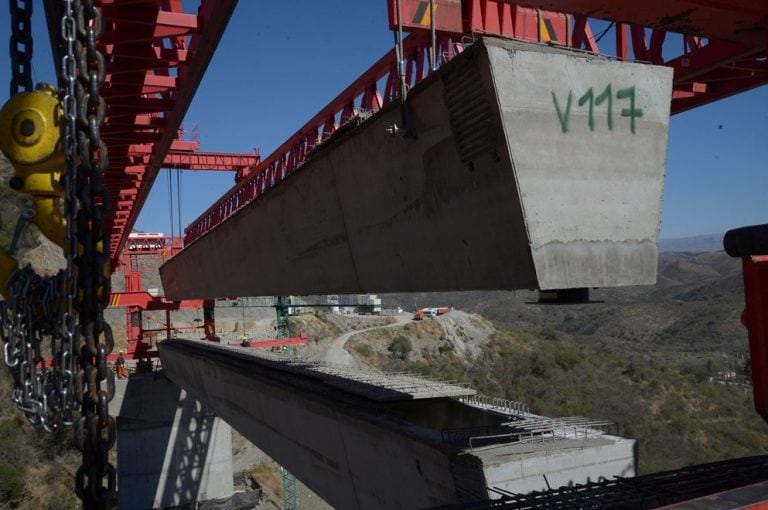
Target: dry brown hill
{"points": [[694, 307]]}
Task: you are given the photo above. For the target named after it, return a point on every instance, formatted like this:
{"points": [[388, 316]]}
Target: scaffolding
{"points": [[283, 330]]}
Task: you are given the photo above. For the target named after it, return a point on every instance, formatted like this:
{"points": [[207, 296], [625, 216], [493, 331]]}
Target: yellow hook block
{"points": [[30, 124], [30, 137]]}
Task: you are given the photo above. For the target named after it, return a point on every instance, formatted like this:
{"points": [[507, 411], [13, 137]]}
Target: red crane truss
{"points": [[185, 155], [706, 68], [144, 251], [156, 54]]}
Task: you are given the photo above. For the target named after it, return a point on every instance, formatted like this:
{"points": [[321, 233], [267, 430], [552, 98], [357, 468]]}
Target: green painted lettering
{"points": [[607, 95], [631, 112], [589, 96], [564, 119]]}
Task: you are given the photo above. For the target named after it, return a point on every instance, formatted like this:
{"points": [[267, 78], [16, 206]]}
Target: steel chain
{"points": [[29, 322], [65, 361], [40, 312], [21, 45], [33, 323], [95, 430]]}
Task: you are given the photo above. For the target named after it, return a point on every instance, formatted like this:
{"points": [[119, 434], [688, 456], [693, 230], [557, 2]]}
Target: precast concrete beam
{"points": [[533, 167], [346, 449], [360, 452]]}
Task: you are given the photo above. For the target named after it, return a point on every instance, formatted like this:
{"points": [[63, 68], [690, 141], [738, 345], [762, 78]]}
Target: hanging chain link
{"points": [[21, 45], [33, 322], [28, 322], [94, 383], [66, 311]]}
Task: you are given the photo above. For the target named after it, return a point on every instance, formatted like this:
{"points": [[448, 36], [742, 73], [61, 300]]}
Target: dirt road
{"points": [[337, 352]]}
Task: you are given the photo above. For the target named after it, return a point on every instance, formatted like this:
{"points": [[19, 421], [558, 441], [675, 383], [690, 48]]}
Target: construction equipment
{"points": [[127, 73], [431, 312], [145, 252]]}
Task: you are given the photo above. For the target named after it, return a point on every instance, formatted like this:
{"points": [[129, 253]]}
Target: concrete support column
{"points": [[172, 451]]}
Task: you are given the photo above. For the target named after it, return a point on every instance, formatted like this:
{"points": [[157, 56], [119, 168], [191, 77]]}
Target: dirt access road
{"points": [[337, 352]]}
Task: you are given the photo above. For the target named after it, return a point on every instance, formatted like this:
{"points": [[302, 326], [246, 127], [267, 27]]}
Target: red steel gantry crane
{"points": [[155, 53]]}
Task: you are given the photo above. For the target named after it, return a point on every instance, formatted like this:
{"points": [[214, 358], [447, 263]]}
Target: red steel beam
{"points": [[209, 161], [146, 301], [156, 54], [741, 21], [755, 318], [214, 16], [705, 71]]}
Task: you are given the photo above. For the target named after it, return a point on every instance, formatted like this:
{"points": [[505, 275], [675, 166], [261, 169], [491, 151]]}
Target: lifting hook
{"points": [[30, 137]]}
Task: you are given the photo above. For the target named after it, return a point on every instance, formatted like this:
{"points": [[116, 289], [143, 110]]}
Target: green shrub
{"points": [[11, 484], [567, 356], [362, 349], [549, 333], [400, 347]]}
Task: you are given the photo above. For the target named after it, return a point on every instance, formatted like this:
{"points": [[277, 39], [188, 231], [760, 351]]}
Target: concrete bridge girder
{"points": [[340, 448], [533, 167], [359, 453]]}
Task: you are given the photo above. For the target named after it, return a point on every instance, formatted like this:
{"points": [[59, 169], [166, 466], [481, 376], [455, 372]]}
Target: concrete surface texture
{"points": [[559, 464], [533, 168], [365, 454], [172, 451], [341, 446], [588, 141]]}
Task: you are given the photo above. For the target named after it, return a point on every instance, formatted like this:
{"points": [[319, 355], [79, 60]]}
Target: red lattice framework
{"points": [[156, 54], [723, 52]]}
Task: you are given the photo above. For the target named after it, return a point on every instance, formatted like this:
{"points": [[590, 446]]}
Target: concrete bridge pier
{"points": [[172, 451]]}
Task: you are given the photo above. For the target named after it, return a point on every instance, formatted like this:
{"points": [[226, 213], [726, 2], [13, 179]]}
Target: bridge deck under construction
{"points": [[352, 435], [369, 384]]}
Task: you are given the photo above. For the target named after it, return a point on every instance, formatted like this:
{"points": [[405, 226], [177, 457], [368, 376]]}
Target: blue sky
{"points": [[280, 62]]}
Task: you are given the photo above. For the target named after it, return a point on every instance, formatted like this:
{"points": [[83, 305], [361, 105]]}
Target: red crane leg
{"points": [[755, 318], [751, 244]]}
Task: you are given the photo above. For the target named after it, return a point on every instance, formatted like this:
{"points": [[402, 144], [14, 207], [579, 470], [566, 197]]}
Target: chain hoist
{"points": [[47, 323]]}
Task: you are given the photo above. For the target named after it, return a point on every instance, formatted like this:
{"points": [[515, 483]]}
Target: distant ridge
{"points": [[694, 244]]}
